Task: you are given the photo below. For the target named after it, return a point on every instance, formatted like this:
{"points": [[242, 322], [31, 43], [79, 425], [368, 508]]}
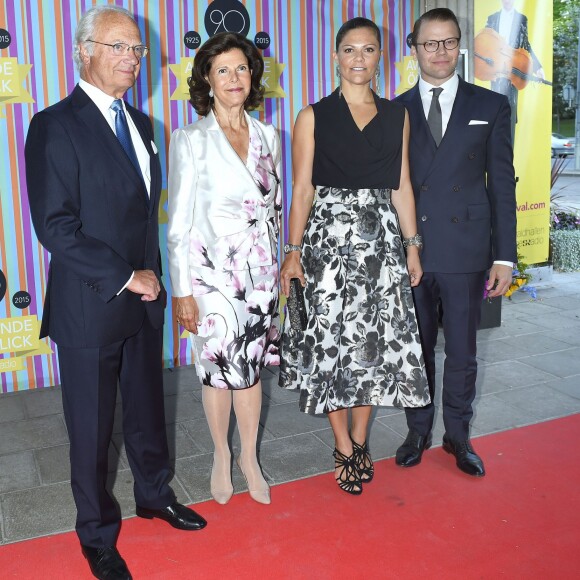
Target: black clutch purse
{"points": [[297, 306]]}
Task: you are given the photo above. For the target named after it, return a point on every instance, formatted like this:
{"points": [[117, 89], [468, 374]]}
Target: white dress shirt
{"points": [[446, 100], [104, 102], [506, 19]]}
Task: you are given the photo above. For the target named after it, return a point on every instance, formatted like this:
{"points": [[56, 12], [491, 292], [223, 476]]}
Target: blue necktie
{"points": [[124, 135]]}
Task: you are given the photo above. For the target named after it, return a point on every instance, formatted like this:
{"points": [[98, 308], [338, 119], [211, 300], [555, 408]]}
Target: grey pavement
{"points": [[529, 372]]}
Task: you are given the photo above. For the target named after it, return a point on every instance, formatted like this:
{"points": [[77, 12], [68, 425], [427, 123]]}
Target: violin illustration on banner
{"points": [[494, 59]]}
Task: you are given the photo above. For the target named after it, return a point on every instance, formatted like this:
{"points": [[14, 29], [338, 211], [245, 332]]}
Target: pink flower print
{"points": [[200, 287], [233, 378], [255, 349], [249, 208], [207, 326], [217, 381], [263, 170], [214, 349], [198, 250], [272, 357]]}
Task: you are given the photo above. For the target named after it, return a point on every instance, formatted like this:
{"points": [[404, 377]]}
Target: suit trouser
{"points": [[89, 378], [461, 296]]}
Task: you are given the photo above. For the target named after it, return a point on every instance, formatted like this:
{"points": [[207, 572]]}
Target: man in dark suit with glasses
{"points": [[94, 182], [461, 164]]}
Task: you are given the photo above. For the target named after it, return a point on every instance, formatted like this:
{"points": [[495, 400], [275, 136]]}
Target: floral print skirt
{"points": [[361, 345], [239, 325]]}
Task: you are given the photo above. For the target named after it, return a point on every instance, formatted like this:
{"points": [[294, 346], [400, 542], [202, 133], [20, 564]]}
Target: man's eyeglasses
{"points": [[121, 48], [433, 45]]}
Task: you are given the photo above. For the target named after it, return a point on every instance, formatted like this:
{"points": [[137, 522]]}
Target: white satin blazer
{"points": [[214, 203]]}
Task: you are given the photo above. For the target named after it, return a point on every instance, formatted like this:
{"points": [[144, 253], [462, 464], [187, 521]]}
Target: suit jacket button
{"points": [[423, 218], [456, 188], [455, 220], [471, 156], [424, 187]]}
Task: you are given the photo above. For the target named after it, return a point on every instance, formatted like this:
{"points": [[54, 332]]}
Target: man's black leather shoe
{"points": [[411, 451], [466, 458], [106, 563], [177, 515]]}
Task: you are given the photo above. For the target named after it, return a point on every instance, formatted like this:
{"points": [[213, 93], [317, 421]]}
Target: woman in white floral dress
{"points": [[224, 204]]}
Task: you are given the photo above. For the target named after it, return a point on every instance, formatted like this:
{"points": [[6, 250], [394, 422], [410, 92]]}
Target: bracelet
{"points": [[415, 240]]}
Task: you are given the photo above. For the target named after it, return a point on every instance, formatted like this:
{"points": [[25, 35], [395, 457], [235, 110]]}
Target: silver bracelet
{"points": [[415, 240]]}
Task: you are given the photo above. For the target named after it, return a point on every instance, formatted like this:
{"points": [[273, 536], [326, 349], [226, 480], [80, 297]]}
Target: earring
{"points": [[339, 85], [211, 93], [377, 77], [337, 71]]}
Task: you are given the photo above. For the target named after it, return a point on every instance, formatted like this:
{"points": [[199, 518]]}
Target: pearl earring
{"points": [[211, 93]]}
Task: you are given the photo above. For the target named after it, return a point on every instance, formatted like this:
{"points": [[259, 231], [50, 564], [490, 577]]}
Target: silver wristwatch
{"points": [[292, 248]]}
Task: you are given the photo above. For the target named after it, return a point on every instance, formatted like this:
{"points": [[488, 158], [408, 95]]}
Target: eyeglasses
{"points": [[121, 48], [433, 45]]}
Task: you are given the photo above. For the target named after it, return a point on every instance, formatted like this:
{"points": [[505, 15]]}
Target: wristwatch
{"points": [[292, 248]]}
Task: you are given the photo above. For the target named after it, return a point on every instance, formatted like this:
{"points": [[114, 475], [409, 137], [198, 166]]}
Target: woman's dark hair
{"points": [[224, 42], [437, 14], [353, 24]]}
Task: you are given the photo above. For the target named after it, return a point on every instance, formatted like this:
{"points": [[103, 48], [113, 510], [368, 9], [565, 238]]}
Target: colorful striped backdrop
{"points": [[302, 37]]}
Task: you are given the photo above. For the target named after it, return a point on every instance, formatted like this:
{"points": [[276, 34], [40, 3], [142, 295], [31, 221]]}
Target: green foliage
{"points": [[565, 250], [566, 14]]}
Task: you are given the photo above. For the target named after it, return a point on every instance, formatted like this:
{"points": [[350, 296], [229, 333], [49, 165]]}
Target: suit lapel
{"points": [[153, 159], [228, 151], [100, 130], [420, 126], [98, 127]]}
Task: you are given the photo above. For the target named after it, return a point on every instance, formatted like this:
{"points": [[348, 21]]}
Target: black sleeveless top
{"points": [[346, 157]]}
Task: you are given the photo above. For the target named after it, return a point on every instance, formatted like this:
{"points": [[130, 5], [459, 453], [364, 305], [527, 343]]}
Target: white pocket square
{"points": [[153, 147], [476, 122]]}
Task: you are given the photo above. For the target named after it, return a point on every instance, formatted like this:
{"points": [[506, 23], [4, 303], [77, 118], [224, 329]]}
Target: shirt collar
{"points": [[101, 99], [449, 86]]}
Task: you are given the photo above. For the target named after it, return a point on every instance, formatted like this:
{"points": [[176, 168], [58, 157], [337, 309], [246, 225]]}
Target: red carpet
{"points": [[520, 521]]}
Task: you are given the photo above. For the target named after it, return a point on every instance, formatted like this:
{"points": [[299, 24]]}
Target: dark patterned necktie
{"points": [[434, 117], [124, 135]]}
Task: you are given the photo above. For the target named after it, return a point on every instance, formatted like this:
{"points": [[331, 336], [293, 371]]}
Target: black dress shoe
{"points": [[106, 563], [411, 451], [466, 458], [177, 515]]}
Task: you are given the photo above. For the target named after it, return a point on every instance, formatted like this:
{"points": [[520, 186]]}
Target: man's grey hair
{"points": [[87, 26]]}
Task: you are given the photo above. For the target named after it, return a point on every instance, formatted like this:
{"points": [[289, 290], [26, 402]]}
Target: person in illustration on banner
{"points": [[512, 27], [224, 212], [94, 182], [351, 200], [463, 177]]}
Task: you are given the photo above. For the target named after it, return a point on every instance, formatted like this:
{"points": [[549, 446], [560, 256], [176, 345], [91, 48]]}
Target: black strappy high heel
{"points": [[349, 478], [363, 461]]}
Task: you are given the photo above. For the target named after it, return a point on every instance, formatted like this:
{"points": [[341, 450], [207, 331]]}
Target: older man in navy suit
{"points": [[462, 171], [94, 181]]}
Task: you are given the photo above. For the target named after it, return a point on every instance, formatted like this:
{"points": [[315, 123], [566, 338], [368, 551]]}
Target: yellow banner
{"points": [[8, 365], [11, 76], [19, 334], [270, 78], [409, 70], [525, 35]]}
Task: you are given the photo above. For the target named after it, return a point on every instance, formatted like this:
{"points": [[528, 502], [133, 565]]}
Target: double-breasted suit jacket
{"points": [[466, 212], [90, 211], [464, 188]]}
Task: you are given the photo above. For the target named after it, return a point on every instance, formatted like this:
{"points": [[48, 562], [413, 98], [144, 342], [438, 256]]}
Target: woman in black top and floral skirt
{"points": [[352, 216]]}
